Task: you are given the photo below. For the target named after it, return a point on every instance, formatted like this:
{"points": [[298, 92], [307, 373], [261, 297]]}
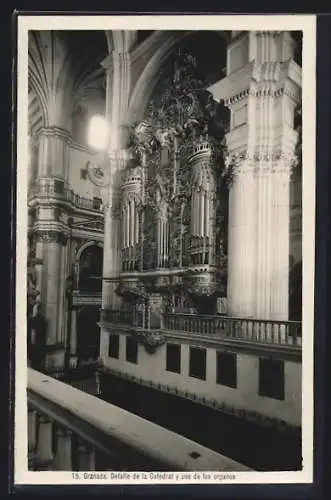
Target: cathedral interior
{"points": [[164, 236]]}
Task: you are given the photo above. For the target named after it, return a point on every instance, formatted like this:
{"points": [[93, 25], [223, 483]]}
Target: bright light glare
{"points": [[98, 133]]}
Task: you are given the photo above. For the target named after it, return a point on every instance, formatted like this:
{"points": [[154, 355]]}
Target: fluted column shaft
{"points": [[242, 246], [202, 214], [261, 150]]}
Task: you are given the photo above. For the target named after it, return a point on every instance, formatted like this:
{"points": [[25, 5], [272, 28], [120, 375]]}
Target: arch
{"points": [[149, 76], [86, 245], [88, 274], [37, 74], [147, 80]]}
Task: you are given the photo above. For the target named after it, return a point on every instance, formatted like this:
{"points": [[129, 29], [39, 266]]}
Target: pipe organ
{"points": [[170, 192], [131, 226]]}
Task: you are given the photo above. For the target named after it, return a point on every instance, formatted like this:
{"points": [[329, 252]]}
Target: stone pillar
{"points": [[73, 340], [51, 230], [32, 430], [262, 88], [117, 66], [51, 278], [86, 458], [44, 454], [63, 456], [53, 158], [112, 257]]}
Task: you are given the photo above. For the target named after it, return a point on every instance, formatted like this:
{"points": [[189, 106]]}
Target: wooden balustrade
{"points": [[71, 430], [254, 330]]}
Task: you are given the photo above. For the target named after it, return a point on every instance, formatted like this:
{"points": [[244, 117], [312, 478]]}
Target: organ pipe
{"points": [[128, 225], [206, 215], [137, 225], [123, 228], [132, 220], [202, 214]]}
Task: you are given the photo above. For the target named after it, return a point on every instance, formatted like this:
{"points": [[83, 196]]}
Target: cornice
{"points": [[272, 79], [55, 131]]}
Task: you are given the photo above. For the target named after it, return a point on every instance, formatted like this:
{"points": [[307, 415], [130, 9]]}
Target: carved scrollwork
{"points": [[200, 285], [131, 290], [150, 340]]}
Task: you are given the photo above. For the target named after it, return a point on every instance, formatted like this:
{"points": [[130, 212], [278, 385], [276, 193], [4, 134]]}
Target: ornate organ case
{"points": [[174, 202]]}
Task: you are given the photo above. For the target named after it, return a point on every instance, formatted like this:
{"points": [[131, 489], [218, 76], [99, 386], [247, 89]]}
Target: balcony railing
{"points": [[55, 188], [253, 330], [69, 430], [286, 333], [119, 317]]}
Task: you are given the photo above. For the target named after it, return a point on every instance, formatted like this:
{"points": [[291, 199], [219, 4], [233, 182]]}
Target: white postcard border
{"points": [[306, 23]]}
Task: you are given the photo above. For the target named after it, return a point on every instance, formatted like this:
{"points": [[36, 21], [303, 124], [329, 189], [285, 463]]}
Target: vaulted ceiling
{"points": [[64, 70]]}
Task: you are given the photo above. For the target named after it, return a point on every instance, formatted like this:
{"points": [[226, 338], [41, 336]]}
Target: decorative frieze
{"points": [[259, 163]]}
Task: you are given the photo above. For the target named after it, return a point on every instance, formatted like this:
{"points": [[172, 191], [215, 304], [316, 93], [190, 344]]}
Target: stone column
{"points": [[86, 457], [63, 456], [53, 159], [44, 454], [32, 431], [118, 72], [51, 279], [51, 230], [73, 340], [262, 88], [112, 256]]}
